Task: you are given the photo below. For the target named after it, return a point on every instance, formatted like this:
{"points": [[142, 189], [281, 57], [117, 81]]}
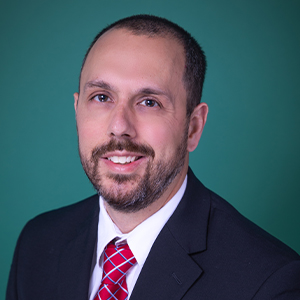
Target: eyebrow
{"points": [[98, 84], [151, 91], [156, 91]]}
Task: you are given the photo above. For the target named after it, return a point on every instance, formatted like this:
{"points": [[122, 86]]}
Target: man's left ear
{"points": [[196, 125]]}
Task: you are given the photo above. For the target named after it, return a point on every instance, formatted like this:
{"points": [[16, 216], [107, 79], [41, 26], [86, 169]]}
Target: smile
{"points": [[123, 159]]}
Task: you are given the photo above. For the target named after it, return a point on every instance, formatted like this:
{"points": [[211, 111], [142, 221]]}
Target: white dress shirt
{"points": [[140, 240]]}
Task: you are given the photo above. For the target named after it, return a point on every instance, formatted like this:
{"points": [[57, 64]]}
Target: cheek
{"points": [[163, 139], [90, 134]]}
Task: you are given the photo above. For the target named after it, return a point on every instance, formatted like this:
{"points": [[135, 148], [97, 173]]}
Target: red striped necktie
{"points": [[117, 261]]}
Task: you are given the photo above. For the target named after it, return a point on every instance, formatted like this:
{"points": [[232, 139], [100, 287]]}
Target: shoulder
{"points": [[234, 250], [230, 228], [48, 243], [62, 222], [258, 262]]}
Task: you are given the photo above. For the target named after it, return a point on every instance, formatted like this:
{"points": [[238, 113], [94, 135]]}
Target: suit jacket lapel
{"points": [[76, 258], [169, 270]]}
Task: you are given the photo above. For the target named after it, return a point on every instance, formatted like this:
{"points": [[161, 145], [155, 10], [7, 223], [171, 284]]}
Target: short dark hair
{"points": [[152, 26]]}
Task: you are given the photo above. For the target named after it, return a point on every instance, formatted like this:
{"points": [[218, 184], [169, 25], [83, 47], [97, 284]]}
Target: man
{"points": [[138, 116]]}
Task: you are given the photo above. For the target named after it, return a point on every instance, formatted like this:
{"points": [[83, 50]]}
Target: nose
{"points": [[121, 123]]}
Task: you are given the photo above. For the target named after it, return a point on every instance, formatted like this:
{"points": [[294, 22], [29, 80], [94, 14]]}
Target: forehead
{"points": [[122, 52]]}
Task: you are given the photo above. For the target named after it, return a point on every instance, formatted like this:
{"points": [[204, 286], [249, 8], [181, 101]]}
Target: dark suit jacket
{"points": [[207, 250]]}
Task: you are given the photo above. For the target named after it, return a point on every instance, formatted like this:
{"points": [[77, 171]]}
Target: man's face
{"points": [[131, 119]]}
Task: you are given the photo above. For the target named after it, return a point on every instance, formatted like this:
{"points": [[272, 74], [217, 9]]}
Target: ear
{"points": [[196, 125], [76, 97]]}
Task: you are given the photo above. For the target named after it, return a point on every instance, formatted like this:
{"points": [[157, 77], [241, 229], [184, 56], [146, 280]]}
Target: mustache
{"points": [[126, 145]]}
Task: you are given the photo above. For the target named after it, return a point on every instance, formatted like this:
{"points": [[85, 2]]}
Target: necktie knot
{"points": [[116, 263]]}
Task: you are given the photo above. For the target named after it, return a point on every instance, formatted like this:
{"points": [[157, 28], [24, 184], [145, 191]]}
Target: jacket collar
{"points": [[189, 222], [169, 270], [76, 258]]}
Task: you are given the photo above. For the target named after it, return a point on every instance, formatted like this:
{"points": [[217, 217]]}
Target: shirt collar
{"points": [[141, 238]]}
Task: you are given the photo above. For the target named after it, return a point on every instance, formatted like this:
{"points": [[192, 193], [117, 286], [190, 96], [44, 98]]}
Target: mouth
{"points": [[123, 160]]}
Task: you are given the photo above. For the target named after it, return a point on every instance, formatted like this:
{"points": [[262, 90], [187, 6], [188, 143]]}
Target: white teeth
{"points": [[122, 159]]}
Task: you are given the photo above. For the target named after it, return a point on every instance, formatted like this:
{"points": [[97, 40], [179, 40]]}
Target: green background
{"points": [[249, 151]]}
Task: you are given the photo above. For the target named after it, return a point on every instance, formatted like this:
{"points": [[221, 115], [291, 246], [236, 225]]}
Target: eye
{"points": [[101, 98], [149, 103]]}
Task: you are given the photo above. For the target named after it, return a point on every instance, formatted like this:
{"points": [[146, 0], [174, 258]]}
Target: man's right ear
{"points": [[196, 125], [76, 98]]}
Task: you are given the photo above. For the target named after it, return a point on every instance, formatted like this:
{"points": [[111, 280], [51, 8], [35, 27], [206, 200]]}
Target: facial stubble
{"points": [[146, 188]]}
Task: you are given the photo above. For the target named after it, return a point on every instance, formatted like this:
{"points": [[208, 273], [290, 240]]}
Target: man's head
{"points": [[152, 26], [133, 124]]}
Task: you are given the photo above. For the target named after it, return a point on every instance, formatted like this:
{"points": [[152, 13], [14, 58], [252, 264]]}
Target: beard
{"points": [[146, 188]]}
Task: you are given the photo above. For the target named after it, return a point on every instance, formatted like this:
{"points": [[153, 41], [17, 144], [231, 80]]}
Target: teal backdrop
{"points": [[249, 151]]}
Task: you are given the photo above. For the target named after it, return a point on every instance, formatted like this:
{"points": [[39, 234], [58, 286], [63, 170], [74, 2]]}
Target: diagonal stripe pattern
{"points": [[117, 261]]}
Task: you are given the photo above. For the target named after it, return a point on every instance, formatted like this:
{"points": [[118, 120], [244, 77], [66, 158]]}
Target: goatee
{"points": [[146, 188]]}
